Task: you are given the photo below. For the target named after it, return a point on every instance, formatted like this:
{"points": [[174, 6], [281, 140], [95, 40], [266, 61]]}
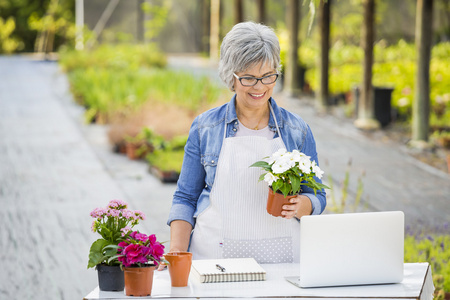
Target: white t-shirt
{"points": [[264, 132]]}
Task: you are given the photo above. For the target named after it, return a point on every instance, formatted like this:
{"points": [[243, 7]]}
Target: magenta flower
{"points": [[141, 237], [140, 249], [157, 251], [152, 239]]}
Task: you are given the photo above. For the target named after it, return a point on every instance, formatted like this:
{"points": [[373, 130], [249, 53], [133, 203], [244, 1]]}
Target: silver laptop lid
{"points": [[351, 249]]}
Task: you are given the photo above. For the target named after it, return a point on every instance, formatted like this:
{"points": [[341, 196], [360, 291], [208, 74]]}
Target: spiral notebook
{"points": [[228, 269]]}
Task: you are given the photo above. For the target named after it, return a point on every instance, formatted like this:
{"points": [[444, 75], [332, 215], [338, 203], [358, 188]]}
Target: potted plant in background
{"points": [[138, 255], [285, 173], [114, 224]]}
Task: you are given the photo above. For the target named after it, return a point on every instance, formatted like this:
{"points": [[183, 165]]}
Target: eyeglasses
{"points": [[251, 81]]}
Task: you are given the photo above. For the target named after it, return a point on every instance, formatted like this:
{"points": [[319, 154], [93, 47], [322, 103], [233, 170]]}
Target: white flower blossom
{"points": [[316, 170], [270, 178], [296, 166], [280, 166], [278, 154], [305, 164]]}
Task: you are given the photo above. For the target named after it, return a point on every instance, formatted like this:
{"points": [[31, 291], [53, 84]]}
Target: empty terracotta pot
{"points": [[179, 267], [275, 202]]}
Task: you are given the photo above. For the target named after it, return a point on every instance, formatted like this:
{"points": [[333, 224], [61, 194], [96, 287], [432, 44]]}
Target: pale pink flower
{"points": [[94, 226], [125, 230], [98, 213], [128, 214], [113, 213], [139, 214], [117, 204]]}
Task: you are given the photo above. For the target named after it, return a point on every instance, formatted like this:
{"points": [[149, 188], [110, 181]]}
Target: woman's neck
{"points": [[253, 118]]}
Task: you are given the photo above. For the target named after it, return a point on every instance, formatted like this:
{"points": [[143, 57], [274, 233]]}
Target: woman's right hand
{"points": [[180, 233]]}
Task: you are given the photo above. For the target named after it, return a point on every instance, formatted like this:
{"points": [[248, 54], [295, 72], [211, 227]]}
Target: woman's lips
{"points": [[257, 96]]}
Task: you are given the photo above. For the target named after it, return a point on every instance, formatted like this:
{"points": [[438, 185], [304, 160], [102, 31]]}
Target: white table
{"points": [[417, 284]]}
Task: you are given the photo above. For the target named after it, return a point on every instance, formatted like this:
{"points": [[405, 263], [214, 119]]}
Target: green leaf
{"points": [[285, 189], [276, 185], [260, 164], [112, 258], [261, 178], [96, 252], [112, 246], [295, 182]]}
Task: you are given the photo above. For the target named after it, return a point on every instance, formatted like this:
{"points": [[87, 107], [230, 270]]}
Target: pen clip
{"points": [[219, 267]]}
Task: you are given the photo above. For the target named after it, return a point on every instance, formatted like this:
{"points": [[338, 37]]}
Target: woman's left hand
{"points": [[299, 207]]}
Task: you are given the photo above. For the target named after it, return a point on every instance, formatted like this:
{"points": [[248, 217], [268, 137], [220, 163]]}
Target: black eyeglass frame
{"points": [[257, 79]]}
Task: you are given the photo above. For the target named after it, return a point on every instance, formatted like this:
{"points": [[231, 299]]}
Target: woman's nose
{"points": [[258, 85]]}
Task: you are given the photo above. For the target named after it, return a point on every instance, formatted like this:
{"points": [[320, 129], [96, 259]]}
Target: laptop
{"points": [[351, 249]]}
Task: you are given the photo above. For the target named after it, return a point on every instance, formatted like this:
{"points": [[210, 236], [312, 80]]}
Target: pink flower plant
{"points": [[114, 223], [139, 250]]}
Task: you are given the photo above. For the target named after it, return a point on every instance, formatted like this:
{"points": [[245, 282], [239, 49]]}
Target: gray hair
{"points": [[246, 45]]}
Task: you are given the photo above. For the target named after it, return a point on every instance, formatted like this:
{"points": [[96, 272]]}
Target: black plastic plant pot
{"points": [[110, 278], [381, 101]]}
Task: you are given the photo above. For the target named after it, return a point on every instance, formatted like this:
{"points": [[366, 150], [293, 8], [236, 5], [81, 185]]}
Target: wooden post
{"points": [[214, 31], [238, 12], [324, 23], [292, 84], [79, 21], [206, 22], [366, 108], [140, 22], [421, 103], [261, 11]]}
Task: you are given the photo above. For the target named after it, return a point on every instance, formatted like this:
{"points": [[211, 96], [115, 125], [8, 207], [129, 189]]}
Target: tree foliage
{"points": [[23, 10]]}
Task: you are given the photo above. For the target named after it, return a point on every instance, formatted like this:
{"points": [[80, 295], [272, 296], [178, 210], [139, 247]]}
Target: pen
{"points": [[219, 267]]}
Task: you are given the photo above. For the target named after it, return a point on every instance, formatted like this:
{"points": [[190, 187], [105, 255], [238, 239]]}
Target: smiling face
{"points": [[254, 97]]}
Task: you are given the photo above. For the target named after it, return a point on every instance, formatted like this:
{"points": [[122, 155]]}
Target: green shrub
{"points": [[166, 160], [394, 66], [435, 249], [105, 92], [114, 57]]}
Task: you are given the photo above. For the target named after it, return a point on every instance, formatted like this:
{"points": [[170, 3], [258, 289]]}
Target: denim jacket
{"points": [[202, 153]]}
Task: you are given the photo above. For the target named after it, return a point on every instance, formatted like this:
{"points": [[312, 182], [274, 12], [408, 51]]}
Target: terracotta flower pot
{"points": [[131, 150], [275, 202], [179, 267], [110, 278], [138, 280]]}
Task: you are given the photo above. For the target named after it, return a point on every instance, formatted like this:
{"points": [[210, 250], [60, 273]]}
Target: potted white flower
{"points": [[285, 173]]}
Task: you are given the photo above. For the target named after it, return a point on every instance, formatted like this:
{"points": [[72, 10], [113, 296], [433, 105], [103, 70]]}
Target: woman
{"points": [[218, 198]]}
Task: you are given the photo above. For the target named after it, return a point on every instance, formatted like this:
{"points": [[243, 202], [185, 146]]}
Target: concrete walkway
{"points": [[54, 170]]}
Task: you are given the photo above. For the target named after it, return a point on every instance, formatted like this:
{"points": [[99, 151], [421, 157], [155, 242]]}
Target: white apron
{"points": [[236, 223]]}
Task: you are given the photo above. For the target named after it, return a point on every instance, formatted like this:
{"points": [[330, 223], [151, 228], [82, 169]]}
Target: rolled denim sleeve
{"points": [[191, 181], [318, 200]]}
